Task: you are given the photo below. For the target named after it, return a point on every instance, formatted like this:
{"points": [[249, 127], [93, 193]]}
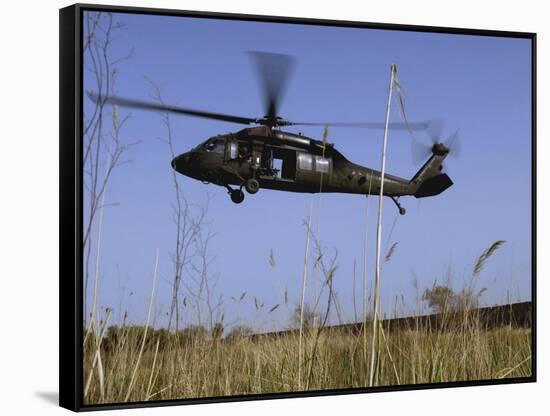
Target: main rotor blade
{"points": [[273, 71], [368, 125], [149, 106]]}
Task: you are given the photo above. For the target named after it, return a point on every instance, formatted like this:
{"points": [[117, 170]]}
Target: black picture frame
{"points": [[71, 194]]}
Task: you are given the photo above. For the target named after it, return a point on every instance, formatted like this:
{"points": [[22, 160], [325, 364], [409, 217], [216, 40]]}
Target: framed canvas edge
{"points": [[306, 394], [304, 21], [534, 206], [70, 211], [70, 200]]}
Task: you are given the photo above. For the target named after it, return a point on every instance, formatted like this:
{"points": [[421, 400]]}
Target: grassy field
{"points": [[131, 364]]}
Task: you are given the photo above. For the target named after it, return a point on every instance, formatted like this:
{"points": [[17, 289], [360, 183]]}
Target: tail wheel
{"points": [[237, 196], [252, 186]]}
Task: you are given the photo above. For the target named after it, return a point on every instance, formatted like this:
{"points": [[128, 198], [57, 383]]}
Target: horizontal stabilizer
{"points": [[433, 186]]}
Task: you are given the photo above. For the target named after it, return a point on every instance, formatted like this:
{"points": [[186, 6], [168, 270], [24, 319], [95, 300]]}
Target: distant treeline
{"points": [[131, 336], [517, 315]]}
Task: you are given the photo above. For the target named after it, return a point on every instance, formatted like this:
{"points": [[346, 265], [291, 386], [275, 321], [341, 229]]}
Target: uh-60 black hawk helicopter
{"points": [[264, 156]]}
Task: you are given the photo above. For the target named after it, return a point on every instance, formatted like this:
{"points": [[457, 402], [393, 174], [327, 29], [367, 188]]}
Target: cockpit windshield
{"points": [[214, 145]]}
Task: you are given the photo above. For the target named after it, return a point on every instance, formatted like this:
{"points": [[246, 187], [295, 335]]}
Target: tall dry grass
{"points": [[196, 364]]}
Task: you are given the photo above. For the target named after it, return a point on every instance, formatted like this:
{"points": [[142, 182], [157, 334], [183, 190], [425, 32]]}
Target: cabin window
{"points": [[321, 164], [305, 161], [233, 150], [243, 150]]}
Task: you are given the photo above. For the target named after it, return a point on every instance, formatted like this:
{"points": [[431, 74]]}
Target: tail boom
{"points": [[429, 180]]}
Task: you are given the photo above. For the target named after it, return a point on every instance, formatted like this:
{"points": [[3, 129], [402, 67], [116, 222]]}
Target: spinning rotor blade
{"points": [[434, 130], [453, 143], [421, 151], [273, 71], [144, 105], [366, 125]]}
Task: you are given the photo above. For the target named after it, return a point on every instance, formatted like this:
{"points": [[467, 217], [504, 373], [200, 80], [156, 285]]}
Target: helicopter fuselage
{"points": [[290, 162]]}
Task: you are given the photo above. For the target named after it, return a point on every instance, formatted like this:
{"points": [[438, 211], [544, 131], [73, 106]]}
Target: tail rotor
{"points": [[420, 151]]}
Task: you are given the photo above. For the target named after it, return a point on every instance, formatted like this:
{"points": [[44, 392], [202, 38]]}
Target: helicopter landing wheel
{"points": [[237, 196], [252, 186], [402, 210]]}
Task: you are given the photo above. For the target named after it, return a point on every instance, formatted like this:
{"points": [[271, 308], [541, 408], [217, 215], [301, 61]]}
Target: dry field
{"points": [[131, 364]]}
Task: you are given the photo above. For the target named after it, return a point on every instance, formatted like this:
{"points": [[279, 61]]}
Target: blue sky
{"points": [[480, 85]]}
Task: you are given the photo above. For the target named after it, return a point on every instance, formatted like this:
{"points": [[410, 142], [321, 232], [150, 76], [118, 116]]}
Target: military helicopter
{"points": [[264, 156]]}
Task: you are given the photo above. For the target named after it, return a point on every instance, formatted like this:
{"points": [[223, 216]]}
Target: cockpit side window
{"points": [[215, 145]]}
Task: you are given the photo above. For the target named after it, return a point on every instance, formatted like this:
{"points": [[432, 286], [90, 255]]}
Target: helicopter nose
{"points": [[180, 162]]}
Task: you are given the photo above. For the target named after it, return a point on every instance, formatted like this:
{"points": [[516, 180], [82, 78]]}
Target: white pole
{"points": [[379, 235], [304, 278]]}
